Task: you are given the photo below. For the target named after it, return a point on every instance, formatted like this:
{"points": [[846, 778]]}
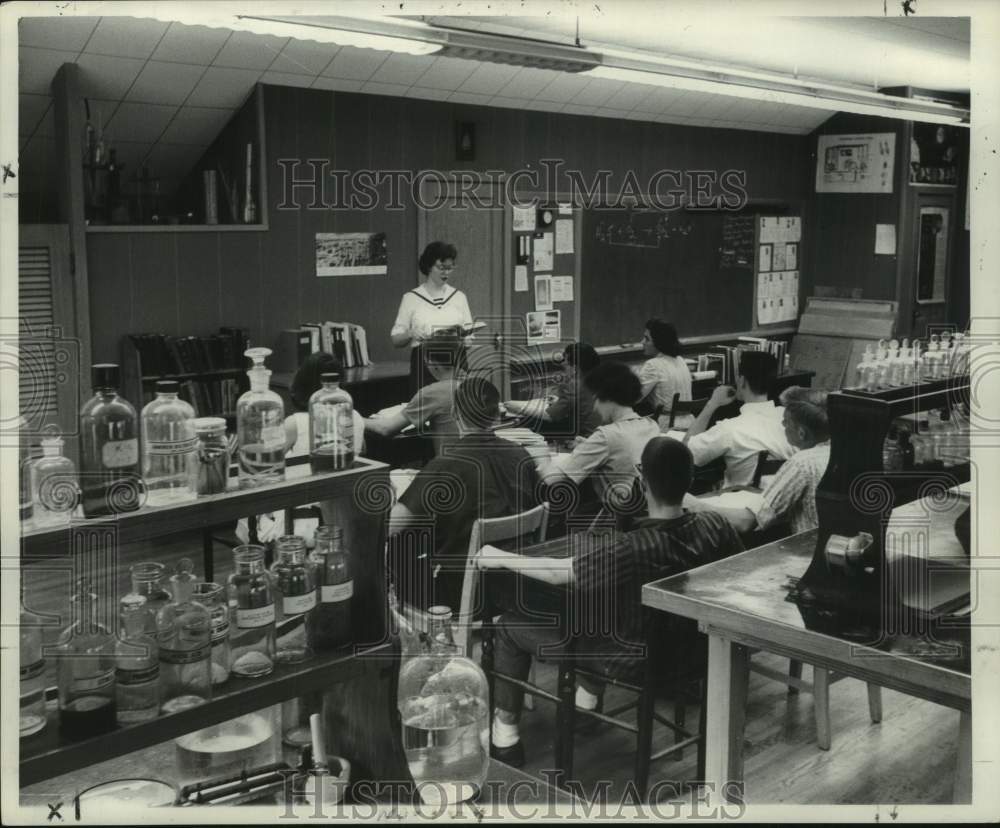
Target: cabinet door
{"points": [[924, 294]]}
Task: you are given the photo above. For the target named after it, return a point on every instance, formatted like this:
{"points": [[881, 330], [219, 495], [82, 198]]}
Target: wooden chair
{"points": [[692, 407], [765, 465], [530, 527]]}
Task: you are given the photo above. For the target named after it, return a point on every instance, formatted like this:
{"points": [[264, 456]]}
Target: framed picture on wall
{"points": [[934, 155]]}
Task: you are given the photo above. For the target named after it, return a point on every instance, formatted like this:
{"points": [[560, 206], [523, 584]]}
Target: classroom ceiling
{"points": [[163, 90]]}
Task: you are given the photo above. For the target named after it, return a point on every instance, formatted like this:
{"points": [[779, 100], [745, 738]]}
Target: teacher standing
{"points": [[433, 305]]}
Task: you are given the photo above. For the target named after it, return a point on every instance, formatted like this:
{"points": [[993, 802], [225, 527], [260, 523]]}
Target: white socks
{"points": [[585, 700], [504, 735]]}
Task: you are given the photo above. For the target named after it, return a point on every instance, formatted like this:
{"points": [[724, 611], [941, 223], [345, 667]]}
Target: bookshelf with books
{"points": [[345, 340], [211, 369]]}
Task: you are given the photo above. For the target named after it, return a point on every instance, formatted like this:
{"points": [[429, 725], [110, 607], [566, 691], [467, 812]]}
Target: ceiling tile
{"points": [[688, 104], [138, 122], [355, 64], [507, 103], [30, 109], [337, 84], [562, 88], [245, 50], [223, 87], [165, 83], [196, 125], [108, 78], [629, 96], [401, 69], [660, 98], [191, 44], [542, 106], [447, 73], [597, 92], [528, 82], [469, 98], [488, 78], [636, 115], [37, 67], [69, 34], [577, 109], [287, 79], [373, 88], [126, 37], [426, 94], [302, 57]]}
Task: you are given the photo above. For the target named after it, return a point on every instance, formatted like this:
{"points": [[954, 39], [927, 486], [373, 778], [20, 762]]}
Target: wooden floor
{"points": [[909, 758]]}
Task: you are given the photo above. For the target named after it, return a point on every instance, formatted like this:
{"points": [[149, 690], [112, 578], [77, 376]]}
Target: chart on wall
{"points": [[855, 163], [777, 270]]}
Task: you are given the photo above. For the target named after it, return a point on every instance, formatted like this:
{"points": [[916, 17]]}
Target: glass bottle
{"points": [[137, 673], [444, 705], [109, 448], [932, 359], [147, 581], [213, 597], [53, 482], [251, 605], [169, 447], [24, 468], [260, 427], [86, 670], [32, 718], [294, 578], [331, 426], [185, 631], [213, 455], [329, 626], [861, 372]]}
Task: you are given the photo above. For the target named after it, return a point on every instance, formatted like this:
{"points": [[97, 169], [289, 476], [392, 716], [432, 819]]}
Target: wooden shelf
{"points": [[176, 228], [215, 372], [300, 486], [47, 754]]}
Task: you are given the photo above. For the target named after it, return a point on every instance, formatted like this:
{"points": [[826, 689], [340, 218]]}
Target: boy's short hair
{"points": [[477, 402], [760, 370], [614, 382], [582, 356], [807, 407], [667, 468]]}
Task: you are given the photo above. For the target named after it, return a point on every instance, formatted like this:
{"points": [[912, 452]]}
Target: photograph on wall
{"points": [[543, 293], [855, 163], [544, 326], [351, 254], [934, 155]]}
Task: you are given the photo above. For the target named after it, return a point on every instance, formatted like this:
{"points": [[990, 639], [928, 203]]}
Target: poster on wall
{"points": [[351, 254], [934, 155], [543, 293], [777, 297], [544, 326], [855, 163]]}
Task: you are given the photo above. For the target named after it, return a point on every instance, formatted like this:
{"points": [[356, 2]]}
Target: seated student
{"points": [[791, 494], [757, 428], [666, 373], [573, 405], [479, 476], [430, 409], [608, 456], [610, 574]]}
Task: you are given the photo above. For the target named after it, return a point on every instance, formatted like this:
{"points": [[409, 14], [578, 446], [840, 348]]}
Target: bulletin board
{"points": [[776, 269]]}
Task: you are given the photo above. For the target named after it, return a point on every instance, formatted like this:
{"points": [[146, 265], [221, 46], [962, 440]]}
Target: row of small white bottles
{"points": [[891, 365]]}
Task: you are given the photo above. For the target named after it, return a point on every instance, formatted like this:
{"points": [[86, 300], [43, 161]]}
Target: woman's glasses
{"points": [[444, 268]]}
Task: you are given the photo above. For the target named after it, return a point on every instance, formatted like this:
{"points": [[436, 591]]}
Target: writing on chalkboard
{"points": [[642, 229], [737, 241]]}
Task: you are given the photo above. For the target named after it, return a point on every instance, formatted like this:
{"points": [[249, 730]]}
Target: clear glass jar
{"points": [[32, 718], [213, 455], [147, 581], [444, 705], [260, 427], [169, 447], [185, 645], [251, 606], [213, 597], [137, 660], [54, 494], [331, 426], [294, 578], [24, 469], [329, 626], [86, 670], [110, 481]]}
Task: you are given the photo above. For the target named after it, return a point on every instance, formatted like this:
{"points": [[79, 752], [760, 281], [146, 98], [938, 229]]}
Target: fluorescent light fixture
{"points": [[361, 34]]}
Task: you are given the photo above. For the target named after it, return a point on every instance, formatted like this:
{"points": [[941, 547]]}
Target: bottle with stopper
{"points": [[185, 644], [260, 427], [54, 493]]}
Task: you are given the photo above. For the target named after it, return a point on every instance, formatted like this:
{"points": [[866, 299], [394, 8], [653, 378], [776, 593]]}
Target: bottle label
{"points": [[30, 671], [171, 447], [93, 682], [273, 436], [256, 617], [126, 677], [185, 656], [119, 454], [220, 632], [298, 604], [335, 593]]}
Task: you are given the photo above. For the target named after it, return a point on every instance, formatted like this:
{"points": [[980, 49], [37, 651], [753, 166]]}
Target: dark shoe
{"points": [[513, 755]]}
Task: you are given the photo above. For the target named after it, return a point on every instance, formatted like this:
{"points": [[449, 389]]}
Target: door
{"points": [[927, 264]]}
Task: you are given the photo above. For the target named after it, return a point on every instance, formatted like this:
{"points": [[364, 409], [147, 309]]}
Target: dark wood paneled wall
{"points": [[190, 283]]}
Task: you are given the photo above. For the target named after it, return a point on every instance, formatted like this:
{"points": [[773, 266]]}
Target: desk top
{"points": [[746, 599], [352, 376]]}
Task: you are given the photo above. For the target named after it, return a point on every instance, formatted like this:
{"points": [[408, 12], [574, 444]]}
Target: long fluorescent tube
{"points": [[361, 34]]}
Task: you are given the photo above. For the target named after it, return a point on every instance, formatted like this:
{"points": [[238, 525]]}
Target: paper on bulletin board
{"points": [[521, 278], [564, 236], [565, 209], [562, 288], [764, 263], [524, 219], [885, 239], [778, 256], [544, 326], [855, 163], [542, 251], [543, 293], [777, 297], [792, 256]]}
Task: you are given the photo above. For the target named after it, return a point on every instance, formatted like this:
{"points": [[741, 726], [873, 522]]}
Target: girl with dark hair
{"points": [[665, 373], [432, 306]]}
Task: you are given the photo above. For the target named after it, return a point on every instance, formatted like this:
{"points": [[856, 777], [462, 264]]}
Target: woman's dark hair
{"points": [[667, 467], [582, 356], [307, 379], [435, 252], [664, 336], [614, 382]]}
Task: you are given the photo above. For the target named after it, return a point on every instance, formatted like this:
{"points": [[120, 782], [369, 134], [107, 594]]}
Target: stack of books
{"points": [[725, 359], [345, 340]]}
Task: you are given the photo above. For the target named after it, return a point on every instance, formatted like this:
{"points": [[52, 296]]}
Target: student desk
{"points": [[742, 603]]}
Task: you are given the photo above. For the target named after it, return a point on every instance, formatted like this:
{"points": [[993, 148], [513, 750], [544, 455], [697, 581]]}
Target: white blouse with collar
{"points": [[420, 314]]}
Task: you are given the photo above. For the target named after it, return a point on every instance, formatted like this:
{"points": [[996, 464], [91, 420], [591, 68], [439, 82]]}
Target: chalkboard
{"points": [[638, 264]]}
